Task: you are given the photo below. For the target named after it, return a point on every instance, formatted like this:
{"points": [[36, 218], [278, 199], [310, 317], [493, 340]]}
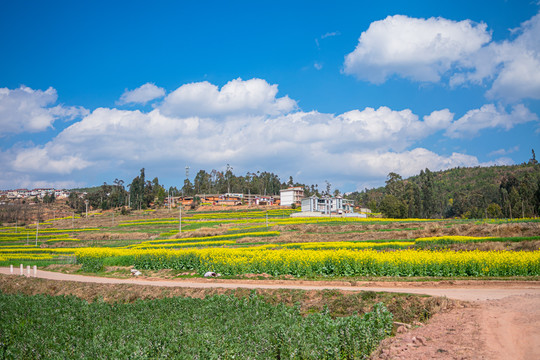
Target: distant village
{"points": [[292, 196], [39, 193]]}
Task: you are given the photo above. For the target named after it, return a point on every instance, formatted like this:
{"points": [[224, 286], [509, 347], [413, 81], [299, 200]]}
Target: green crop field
{"points": [[218, 327]]}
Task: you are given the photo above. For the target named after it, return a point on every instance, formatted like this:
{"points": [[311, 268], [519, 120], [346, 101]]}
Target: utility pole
{"points": [[86, 203], [37, 229]]}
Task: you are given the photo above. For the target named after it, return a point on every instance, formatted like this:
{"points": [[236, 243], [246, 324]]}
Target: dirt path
{"points": [[460, 290], [502, 320]]}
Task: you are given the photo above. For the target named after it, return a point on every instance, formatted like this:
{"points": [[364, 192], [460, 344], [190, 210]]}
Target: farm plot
{"points": [[215, 327], [260, 242]]}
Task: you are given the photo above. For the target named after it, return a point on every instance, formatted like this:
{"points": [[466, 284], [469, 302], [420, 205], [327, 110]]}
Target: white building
{"points": [[327, 205], [292, 195]]}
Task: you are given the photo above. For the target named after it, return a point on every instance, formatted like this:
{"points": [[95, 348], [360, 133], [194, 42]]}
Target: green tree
{"points": [[392, 207], [394, 185], [428, 193], [494, 211], [187, 189], [136, 191]]}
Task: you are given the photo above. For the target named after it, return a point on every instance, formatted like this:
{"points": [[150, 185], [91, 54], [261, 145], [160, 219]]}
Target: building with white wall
{"points": [[292, 195], [327, 205]]}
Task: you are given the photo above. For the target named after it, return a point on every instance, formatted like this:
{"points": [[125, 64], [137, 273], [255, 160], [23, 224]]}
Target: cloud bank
{"points": [[247, 123]]}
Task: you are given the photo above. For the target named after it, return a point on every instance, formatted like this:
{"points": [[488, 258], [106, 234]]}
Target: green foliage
{"points": [[182, 328], [91, 264], [394, 208], [462, 192]]}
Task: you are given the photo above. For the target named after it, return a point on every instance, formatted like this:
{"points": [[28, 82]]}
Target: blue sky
{"points": [[346, 92]]}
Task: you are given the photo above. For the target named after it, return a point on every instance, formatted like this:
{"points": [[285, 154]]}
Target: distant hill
{"points": [[478, 192]]}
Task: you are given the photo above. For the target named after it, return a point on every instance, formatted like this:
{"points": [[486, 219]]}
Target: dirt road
{"points": [[460, 290], [502, 320]]}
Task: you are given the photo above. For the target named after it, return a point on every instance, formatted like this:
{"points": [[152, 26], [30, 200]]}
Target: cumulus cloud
{"points": [[28, 110], [141, 95], [429, 49], [511, 67], [489, 117], [519, 76], [252, 97], [418, 49], [352, 146], [112, 138], [408, 163]]}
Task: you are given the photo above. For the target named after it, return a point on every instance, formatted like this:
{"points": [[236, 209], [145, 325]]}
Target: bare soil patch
{"points": [[507, 328], [367, 232]]}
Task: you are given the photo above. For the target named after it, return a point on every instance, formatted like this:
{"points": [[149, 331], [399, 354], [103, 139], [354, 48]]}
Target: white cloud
{"points": [[519, 76], [408, 163], [426, 50], [108, 139], [48, 160], [356, 146], [489, 117], [252, 97], [419, 49], [141, 95], [513, 66], [28, 110], [438, 120], [502, 152]]}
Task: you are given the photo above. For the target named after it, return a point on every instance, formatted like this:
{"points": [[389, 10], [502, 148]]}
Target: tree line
{"points": [[480, 192], [142, 193]]}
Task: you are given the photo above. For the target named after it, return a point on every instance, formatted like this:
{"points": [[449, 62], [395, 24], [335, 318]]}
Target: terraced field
{"points": [[253, 244]]}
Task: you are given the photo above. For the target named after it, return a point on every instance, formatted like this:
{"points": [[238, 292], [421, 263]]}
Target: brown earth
{"points": [[314, 233], [507, 328]]}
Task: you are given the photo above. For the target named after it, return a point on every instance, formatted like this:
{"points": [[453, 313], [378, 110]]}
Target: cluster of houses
{"points": [[227, 199], [293, 196], [39, 193]]}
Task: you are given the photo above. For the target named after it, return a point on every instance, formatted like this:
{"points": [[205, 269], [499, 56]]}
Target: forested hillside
{"points": [[479, 192]]}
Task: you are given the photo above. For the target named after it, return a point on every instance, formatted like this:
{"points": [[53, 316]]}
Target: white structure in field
{"points": [[327, 205], [292, 195]]}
